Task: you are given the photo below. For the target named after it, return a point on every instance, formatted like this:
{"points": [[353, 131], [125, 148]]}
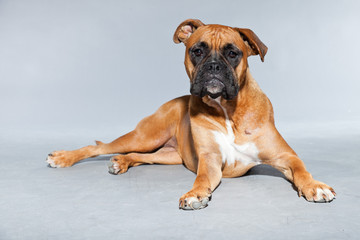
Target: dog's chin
{"points": [[214, 88]]}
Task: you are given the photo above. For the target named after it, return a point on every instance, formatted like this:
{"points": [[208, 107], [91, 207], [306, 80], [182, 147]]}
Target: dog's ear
{"points": [[255, 46], [185, 29]]}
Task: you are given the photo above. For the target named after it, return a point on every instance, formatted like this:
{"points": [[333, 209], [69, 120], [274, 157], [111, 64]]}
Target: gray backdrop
{"points": [[108, 63], [75, 71]]}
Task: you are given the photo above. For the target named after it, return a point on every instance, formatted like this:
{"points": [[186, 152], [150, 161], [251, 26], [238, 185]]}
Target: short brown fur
{"points": [[180, 131]]}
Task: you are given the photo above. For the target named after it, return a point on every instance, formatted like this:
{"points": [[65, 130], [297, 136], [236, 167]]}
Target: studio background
{"points": [[110, 63], [75, 71]]}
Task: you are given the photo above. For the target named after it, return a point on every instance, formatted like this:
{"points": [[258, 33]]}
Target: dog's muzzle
{"points": [[215, 78], [214, 88]]}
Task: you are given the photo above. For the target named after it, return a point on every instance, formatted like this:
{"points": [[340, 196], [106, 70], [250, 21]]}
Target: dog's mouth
{"points": [[214, 88]]}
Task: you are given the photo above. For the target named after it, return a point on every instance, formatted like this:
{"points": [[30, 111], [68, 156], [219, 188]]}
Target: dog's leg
{"points": [[282, 157], [150, 134], [142, 139], [120, 163], [207, 179], [59, 159], [209, 172], [294, 170]]}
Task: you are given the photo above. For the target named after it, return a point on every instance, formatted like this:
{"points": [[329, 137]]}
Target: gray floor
{"points": [[85, 202]]}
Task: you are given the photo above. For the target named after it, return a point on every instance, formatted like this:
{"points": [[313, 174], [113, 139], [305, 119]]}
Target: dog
{"points": [[224, 128]]}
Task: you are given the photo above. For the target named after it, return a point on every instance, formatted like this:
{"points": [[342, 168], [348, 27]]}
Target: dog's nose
{"points": [[214, 67]]}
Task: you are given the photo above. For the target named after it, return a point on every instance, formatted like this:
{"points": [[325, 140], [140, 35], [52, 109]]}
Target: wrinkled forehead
{"points": [[216, 37]]}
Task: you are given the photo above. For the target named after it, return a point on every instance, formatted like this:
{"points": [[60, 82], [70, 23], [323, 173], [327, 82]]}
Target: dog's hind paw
{"points": [[118, 165], [60, 159]]}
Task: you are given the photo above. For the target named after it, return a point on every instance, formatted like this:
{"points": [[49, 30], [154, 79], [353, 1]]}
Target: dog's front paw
{"points": [[316, 191], [60, 159], [195, 199], [118, 165]]}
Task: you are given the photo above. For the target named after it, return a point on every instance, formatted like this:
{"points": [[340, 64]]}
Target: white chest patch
{"points": [[246, 153]]}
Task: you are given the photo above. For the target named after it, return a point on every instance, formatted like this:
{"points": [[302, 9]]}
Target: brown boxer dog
{"points": [[224, 128]]}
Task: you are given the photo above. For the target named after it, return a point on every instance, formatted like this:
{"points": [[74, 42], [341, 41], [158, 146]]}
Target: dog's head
{"points": [[216, 56]]}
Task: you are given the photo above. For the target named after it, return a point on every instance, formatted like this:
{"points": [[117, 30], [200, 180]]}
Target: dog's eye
{"points": [[198, 52], [232, 54]]}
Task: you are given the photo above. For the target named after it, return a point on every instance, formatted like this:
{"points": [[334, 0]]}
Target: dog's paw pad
{"points": [[317, 192], [117, 165], [60, 159], [323, 195], [193, 203], [51, 162], [113, 167]]}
